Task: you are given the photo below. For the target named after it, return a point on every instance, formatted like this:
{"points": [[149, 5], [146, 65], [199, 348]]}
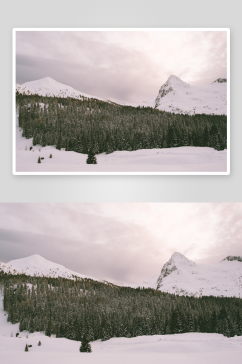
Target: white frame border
{"points": [[116, 173]]}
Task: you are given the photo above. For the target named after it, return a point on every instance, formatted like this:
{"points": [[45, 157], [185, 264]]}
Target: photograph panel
{"points": [[121, 101], [124, 282]]}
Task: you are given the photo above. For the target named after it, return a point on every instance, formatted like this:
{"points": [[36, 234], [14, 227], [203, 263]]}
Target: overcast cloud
{"points": [[125, 65], [120, 242]]}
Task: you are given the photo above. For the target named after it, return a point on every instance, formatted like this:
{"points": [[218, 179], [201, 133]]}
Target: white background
{"points": [[125, 13]]}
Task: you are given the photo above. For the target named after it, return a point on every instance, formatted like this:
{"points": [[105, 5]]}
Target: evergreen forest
{"points": [[105, 127], [101, 310]]}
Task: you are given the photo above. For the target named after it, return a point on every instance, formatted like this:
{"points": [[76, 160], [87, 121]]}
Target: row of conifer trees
{"points": [[73, 308], [81, 125]]}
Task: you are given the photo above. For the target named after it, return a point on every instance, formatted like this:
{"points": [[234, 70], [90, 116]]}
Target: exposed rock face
{"points": [[176, 260], [230, 258], [221, 80], [169, 86]]}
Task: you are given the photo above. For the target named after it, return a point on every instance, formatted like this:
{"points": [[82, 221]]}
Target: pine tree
{"points": [[31, 325], [39, 343], [26, 348], [85, 345], [190, 324], [239, 324], [214, 322], [59, 143], [48, 329], [39, 160], [91, 159]]}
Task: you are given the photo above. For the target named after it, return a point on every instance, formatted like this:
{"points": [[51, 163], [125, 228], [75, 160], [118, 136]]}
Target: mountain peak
{"points": [[182, 276], [46, 82], [36, 265], [180, 259], [177, 262], [49, 87], [174, 80], [170, 87], [179, 97]]}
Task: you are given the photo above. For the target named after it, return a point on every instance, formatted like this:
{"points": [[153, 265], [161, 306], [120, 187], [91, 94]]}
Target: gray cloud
{"points": [[127, 66], [120, 242], [98, 245]]}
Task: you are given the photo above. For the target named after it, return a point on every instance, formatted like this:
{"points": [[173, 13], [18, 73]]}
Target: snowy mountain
{"points": [[179, 275], [178, 96], [35, 265], [182, 276], [48, 87], [174, 95]]}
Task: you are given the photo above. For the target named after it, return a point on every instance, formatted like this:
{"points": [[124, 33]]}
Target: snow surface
{"points": [[190, 348], [181, 159], [35, 265], [179, 97], [182, 276]]}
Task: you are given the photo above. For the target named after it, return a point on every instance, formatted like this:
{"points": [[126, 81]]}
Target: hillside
{"points": [[179, 97]]}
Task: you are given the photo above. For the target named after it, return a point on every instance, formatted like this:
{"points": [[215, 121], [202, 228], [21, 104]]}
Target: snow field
{"points": [[189, 348], [181, 159]]}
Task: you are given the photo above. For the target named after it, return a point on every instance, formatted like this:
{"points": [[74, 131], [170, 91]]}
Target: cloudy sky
{"points": [[120, 242], [121, 65]]}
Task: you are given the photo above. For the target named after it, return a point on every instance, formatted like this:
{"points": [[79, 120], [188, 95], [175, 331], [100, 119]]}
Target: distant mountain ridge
{"points": [[174, 96], [179, 275]]}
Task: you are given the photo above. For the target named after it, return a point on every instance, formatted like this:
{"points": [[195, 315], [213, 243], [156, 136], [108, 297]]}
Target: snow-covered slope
{"points": [[35, 265], [178, 96], [184, 277], [48, 87]]}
